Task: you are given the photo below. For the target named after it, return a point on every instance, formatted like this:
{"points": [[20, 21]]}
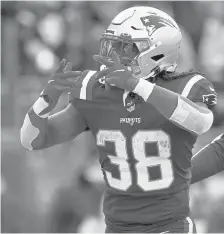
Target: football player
{"points": [[209, 160], [144, 116]]}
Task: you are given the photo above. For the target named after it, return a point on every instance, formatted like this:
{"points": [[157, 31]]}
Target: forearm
{"points": [[207, 162], [164, 100], [175, 108]]}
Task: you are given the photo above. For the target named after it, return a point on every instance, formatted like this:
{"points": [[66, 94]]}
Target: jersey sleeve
{"points": [[199, 89], [209, 160], [87, 81]]}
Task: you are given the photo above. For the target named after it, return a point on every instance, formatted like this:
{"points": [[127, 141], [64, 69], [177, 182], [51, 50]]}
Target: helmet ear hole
{"points": [[157, 57]]}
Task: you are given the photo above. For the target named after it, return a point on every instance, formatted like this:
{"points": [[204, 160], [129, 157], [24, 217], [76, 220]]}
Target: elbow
{"points": [[25, 141], [205, 122], [28, 144], [193, 119], [200, 123], [28, 134]]}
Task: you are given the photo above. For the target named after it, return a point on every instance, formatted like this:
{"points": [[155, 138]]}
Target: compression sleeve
{"points": [[208, 161]]}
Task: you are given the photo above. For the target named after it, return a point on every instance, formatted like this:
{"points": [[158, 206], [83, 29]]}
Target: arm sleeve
{"points": [[209, 160]]}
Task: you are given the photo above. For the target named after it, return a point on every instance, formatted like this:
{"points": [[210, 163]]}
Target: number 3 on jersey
{"points": [[144, 162]]}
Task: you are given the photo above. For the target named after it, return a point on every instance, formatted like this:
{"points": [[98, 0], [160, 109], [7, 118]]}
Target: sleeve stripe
{"points": [[85, 83], [190, 84], [217, 138]]}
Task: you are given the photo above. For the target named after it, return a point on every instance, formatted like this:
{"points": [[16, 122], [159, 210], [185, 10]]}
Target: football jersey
{"points": [[219, 140], [145, 158]]}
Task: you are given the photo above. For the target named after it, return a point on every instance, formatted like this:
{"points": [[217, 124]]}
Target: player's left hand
{"points": [[116, 74]]}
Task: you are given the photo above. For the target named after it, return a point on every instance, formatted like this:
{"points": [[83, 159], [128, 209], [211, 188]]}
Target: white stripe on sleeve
{"points": [[190, 85], [85, 83]]}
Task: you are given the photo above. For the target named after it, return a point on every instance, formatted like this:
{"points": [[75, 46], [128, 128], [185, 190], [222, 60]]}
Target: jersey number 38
{"points": [[144, 162]]}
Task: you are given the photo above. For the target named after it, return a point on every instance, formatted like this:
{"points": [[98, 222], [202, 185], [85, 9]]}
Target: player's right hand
{"points": [[62, 80]]}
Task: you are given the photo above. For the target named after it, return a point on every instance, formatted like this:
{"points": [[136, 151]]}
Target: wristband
{"points": [[39, 106], [144, 89]]}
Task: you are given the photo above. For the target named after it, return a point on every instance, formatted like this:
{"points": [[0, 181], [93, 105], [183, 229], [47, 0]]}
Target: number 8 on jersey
{"points": [[144, 162]]}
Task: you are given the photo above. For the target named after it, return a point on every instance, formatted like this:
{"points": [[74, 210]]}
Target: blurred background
{"points": [[60, 189]]}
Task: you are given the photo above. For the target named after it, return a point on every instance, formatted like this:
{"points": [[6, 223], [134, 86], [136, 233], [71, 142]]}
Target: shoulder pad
{"points": [[199, 89], [193, 86]]}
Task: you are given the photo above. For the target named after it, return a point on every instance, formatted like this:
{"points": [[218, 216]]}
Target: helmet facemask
{"points": [[123, 46], [141, 55]]}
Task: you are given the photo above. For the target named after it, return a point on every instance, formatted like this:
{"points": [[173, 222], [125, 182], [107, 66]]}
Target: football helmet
{"points": [[145, 38]]}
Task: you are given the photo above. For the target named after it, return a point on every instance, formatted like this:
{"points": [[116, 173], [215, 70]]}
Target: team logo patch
{"points": [[154, 22], [210, 99]]}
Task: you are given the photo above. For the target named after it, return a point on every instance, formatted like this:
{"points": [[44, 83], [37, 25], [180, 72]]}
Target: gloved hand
{"points": [[117, 74], [62, 80]]}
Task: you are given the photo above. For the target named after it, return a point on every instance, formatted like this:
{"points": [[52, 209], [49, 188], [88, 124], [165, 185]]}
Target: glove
{"points": [[63, 80], [117, 74]]}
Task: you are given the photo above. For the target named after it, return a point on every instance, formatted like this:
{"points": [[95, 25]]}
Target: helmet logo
{"points": [[154, 22]]}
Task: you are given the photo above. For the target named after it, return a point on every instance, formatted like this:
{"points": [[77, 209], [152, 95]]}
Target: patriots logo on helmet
{"points": [[154, 22], [210, 99]]}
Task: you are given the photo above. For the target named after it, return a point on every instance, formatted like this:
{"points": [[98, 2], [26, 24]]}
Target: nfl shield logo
{"points": [[130, 106]]}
